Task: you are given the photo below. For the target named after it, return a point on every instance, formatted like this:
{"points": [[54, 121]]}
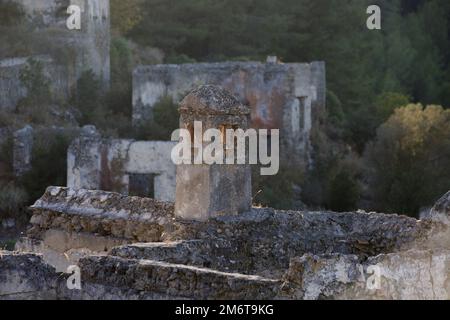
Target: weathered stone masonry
{"points": [[139, 248], [293, 255], [131, 167], [280, 96], [87, 48]]}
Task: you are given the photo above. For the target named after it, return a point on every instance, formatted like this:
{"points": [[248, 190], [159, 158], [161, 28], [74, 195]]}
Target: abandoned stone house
{"points": [[284, 96], [141, 248], [190, 232], [137, 168], [68, 53]]}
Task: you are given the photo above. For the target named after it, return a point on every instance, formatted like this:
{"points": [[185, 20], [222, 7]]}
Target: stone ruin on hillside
{"points": [[68, 53], [280, 96], [285, 96], [137, 168], [140, 248]]}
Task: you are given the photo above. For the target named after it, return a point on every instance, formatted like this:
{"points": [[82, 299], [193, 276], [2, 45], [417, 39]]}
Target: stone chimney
{"points": [[204, 191]]}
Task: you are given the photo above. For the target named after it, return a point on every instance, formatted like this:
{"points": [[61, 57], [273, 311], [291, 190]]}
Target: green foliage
{"points": [[35, 108], [165, 120], [6, 160], [36, 83], [8, 245], [48, 164], [125, 15], [344, 192], [89, 100], [361, 124], [11, 13], [335, 113], [109, 111], [275, 191], [5, 119], [387, 102], [408, 161], [179, 59], [119, 98], [410, 57], [12, 200]]}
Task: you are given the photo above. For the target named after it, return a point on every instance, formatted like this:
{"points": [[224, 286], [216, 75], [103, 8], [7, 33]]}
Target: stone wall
{"points": [[12, 88], [90, 44], [67, 54], [281, 96], [67, 224], [258, 255], [24, 141], [115, 165], [262, 241], [26, 276]]}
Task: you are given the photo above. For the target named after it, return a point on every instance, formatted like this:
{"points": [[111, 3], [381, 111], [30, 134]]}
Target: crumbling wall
{"points": [[91, 43], [67, 224], [104, 164], [281, 96], [258, 255], [13, 90], [26, 276], [69, 52], [25, 139], [262, 241]]}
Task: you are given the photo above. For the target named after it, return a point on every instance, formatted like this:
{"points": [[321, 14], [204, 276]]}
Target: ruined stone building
{"points": [[138, 168], [129, 247], [65, 54], [280, 96]]}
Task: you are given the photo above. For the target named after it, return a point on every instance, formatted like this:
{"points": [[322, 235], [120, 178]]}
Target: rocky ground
{"points": [[262, 254]]}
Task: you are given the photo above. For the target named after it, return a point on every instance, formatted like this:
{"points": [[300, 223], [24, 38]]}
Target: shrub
{"points": [[387, 102], [12, 200], [275, 191], [119, 98], [36, 83], [110, 112], [335, 173], [164, 121], [8, 245], [6, 160], [48, 164], [407, 163], [11, 13], [344, 192], [88, 98]]}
